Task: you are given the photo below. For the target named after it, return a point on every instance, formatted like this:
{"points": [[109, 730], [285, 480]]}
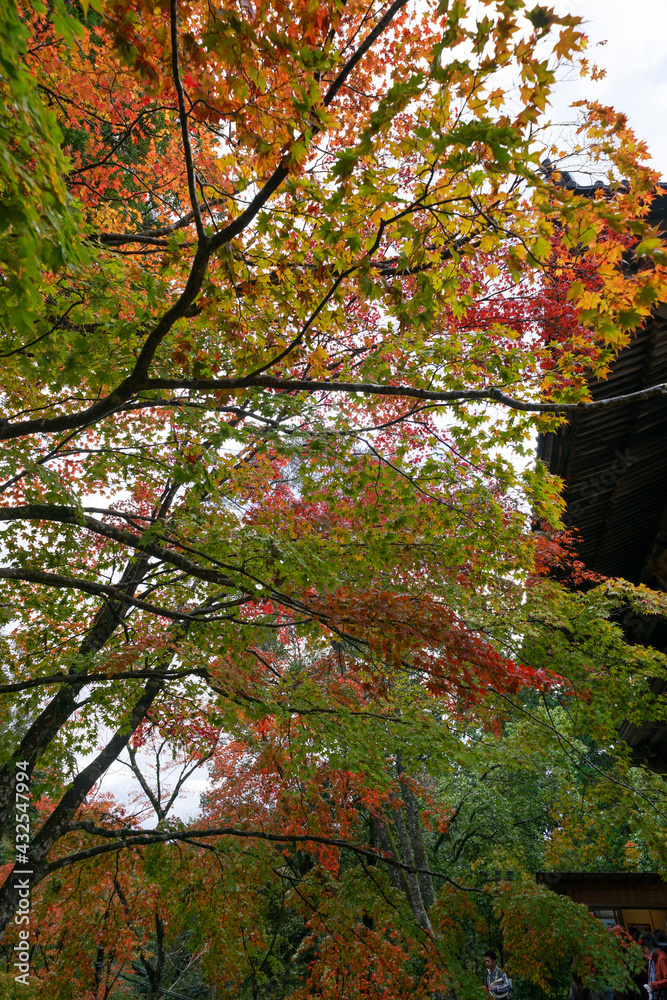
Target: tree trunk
{"points": [[52, 718], [58, 822]]}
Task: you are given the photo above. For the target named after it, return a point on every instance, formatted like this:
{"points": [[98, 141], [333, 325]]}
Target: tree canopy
{"points": [[286, 289]]}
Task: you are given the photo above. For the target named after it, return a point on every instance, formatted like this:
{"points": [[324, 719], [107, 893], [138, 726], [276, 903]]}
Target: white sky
{"points": [[635, 58], [121, 783]]}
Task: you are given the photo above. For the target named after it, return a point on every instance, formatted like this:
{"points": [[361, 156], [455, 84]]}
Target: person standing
{"points": [[657, 966], [496, 982]]}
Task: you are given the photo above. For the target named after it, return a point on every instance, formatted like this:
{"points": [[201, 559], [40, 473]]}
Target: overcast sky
{"points": [[635, 58]]}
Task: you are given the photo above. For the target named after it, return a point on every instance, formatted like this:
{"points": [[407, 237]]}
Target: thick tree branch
{"points": [[43, 729], [70, 515], [452, 396], [58, 822], [150, 235], [95, 589], [86, 679], [128, 837]]}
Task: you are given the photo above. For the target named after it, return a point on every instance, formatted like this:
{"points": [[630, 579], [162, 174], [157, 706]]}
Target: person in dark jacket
{"points": [[496, 982]]}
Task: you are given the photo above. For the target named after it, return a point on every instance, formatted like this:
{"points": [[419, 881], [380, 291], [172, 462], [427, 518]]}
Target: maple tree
{"points": [[264, 268]]}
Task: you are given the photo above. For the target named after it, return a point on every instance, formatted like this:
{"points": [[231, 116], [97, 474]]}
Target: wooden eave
{"points": [[613, 463]]}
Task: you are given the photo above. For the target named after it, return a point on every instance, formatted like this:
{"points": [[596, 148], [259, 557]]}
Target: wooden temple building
{"points": [[634, 900], [613, 462]]}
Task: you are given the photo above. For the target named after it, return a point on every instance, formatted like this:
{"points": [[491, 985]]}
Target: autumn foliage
{"points": [[286, 287]]}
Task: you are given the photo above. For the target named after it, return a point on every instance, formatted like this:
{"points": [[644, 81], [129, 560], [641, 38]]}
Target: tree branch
{"points": [[70, 515], [452, 396], [362, 50], [95, 589], [183, 117], [133, 383], [85, 679], [128, 837]]}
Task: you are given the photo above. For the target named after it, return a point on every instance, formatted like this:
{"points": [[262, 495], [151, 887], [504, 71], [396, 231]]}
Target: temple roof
{"points": [[613, 462], [614, 465]]}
